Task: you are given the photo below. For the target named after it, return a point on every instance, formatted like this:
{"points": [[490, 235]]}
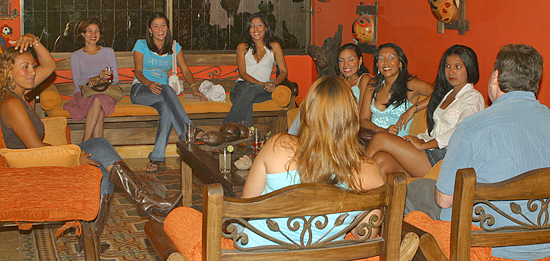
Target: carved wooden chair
{"points": [[299, 202], [52, 194], [472, 201]]}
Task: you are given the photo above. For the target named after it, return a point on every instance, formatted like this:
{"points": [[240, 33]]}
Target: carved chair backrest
{"points": [[303, 201], [527, 220]]}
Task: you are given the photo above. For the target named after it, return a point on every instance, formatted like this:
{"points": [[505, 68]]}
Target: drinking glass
{"points": [[190, 132], [111, 76], [225, 161]]}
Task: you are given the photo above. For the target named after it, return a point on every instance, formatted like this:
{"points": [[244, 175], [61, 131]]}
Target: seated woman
{"points": [[390, 116], [23, 129], [88, 66], [353, 70], [454, 98], [255, 59], [392, 97], [153, 61], [287, 159]]}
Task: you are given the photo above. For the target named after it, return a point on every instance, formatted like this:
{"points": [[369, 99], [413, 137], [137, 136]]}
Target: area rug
{"points": [[124, 231]]}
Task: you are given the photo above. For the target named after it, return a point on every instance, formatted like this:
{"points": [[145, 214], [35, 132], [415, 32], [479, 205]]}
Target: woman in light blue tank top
{"points": [[353, 70], [392, 97], [287, 159]]}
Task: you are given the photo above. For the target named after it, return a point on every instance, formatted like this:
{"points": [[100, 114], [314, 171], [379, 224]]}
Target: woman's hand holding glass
{"points": [[101, 78]]}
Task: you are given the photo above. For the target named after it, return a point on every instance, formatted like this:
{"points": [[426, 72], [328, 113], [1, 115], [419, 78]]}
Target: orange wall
{"points": [[411, 25]]}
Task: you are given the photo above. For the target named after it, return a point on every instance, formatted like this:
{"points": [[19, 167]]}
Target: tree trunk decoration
{"points": [[326, 57]]}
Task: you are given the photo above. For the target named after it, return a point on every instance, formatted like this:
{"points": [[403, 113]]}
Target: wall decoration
{"points": [[362, 29], [5, 10], [365, 28], [326, 56], [4, 39], [445, 11]]}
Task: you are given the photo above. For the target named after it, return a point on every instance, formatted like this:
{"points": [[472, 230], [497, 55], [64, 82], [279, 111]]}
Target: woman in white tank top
{"points": [[255, 59]]}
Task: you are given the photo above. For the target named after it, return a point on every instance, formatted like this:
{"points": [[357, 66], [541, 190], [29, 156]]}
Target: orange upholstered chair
{"points": [[51, 194]]}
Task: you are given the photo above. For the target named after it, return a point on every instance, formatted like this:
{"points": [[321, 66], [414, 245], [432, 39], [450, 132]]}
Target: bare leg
{"points": [[415, 162], [98, 130], [91, 119], [388, 164]]}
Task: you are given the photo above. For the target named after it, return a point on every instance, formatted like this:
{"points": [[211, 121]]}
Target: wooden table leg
{"points": [[186, 184]]}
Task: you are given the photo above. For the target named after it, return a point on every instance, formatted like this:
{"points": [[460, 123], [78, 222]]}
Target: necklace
{"points": [[386, 90]]}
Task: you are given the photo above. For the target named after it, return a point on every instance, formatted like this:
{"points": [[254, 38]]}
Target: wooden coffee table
{"points": [[204, 165]]}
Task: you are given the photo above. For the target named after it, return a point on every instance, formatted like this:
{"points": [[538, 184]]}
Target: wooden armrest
{"points": [[161, 242], [428, 248]]}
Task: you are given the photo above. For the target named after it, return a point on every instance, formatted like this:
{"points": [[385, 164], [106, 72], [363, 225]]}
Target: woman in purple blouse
{"points": [[89, 67]]}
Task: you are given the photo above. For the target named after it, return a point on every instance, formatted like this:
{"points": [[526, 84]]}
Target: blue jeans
{"points": [[243, 96], [102, 152], [171, 114]]}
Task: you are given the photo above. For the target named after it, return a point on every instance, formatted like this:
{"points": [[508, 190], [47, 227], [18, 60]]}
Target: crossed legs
{"points": [[394, 154], [93, 126]]}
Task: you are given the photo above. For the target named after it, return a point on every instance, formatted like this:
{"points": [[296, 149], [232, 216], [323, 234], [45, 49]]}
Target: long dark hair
{"points": [[81, 28], [351, 46], [268, 37], [442, 86], [167, 47], [399, 88]]}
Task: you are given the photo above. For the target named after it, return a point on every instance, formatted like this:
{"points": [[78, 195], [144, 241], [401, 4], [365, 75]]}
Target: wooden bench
{"points": [[141, 129]]}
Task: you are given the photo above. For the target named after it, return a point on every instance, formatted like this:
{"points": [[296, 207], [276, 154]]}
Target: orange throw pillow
{"points": [[63, 155]]}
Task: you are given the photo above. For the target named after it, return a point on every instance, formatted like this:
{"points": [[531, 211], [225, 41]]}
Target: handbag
{"points": [[174, 81], [112, 90]]}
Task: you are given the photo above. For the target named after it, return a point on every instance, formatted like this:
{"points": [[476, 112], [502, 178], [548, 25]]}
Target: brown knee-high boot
{"points": [[99, 224], [147, 202]]}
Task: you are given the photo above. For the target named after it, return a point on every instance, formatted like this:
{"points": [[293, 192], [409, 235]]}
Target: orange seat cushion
{"points": [[125, 107], [41, 194], [441, 230]]}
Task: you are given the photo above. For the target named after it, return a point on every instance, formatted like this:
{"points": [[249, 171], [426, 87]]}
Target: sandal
{"points": [[153, 166], [199, 133]]}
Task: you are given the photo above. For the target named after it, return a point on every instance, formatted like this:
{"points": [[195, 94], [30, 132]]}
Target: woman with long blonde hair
{"points": [[325, 151]]}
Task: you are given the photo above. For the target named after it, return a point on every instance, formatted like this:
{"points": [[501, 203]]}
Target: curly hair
{"points": [[399, 88], [328, 150], [81, 29], [6, 65], [442, 86], [268, 38]]}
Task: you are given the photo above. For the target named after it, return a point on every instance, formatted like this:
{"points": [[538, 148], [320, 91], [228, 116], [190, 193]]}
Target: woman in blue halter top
{"points": [[353, 70], [287, 159], [391, 99]]}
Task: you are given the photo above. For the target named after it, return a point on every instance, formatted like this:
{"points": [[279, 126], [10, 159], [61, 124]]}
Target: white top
{"points": [[467, 102], [260, 71]]}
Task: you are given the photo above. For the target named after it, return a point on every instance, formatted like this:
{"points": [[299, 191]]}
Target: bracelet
{"points": [[194, 84], [416, 108], [35, 45]]}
